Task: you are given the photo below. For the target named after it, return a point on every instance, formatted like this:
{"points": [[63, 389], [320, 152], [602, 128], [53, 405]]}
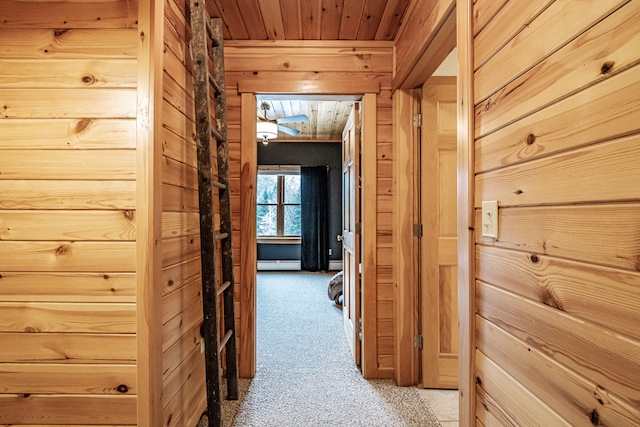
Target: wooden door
{"points": [[438, 247], [350, 232]]}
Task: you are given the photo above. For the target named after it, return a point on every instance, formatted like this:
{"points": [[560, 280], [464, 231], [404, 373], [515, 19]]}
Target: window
{"points": [[278, 203]]}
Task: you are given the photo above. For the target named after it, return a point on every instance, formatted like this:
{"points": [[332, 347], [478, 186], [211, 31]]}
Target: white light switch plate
{"points": [[490, 218]]}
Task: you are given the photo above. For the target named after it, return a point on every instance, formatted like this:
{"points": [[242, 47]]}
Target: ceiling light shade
{"points": [[266, 131]]}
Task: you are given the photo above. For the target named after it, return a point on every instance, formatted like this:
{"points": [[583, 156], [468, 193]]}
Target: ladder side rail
{"points": [[205, 194], [225, 210]]}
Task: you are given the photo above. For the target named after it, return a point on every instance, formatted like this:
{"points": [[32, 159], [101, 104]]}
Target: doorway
{"points": [[248, 264]]}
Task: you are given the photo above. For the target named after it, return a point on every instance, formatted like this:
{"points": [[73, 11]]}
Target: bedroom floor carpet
{"points": [[305, 372]]}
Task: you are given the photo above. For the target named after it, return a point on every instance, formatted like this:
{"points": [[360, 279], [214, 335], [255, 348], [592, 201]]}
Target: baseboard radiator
{"points": [[291, 265]]}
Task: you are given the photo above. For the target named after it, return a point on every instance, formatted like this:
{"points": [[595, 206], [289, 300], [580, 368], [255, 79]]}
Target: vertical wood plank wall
{"points": [[333, 61], [557, 144], [183, 369], [68, 78]]}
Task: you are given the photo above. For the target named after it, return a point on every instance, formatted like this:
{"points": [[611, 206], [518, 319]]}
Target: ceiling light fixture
{"points": [[266, 131]]}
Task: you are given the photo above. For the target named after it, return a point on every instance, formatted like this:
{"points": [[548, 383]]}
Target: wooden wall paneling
{"points": [[484, 11], [546, 34], [33, 225], [604, 358], [406, 155], [179, 199], [81, 14], [74, 103], [179, 174], [582, 63], [573, 287], [67, 133], [192, 365], [22, 43], [18, 378], [608, 109], [68, 409], [66, 73], [466, 178], [559, 231], [508, 395], [67, 287], [581, 400], [600, 172], [69, 348], [68, 164], [174, 355]]}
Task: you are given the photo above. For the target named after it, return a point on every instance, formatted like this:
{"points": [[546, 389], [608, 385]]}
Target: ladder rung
{"points": [[214, 42], [223, 287], [219, 185], [220, 236], [215, 85], [217, 135], [225, 340]]}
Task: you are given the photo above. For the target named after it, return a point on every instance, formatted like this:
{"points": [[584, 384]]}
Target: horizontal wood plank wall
{"points": [[68, 79], [183, 372], [346, 63], [557, 143]]}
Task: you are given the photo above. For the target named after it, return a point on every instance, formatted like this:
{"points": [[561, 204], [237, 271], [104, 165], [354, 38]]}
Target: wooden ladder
{"points": [[207, 46]]}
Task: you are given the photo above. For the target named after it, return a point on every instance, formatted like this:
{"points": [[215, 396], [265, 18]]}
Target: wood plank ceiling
{"points": [[363, 20], [309, 19]]}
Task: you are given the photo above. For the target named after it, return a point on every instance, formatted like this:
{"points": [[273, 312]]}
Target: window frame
{"points": [[280, 172]]}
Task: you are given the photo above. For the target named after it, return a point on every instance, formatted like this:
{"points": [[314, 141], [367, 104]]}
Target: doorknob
{"points": [[339, 237]]}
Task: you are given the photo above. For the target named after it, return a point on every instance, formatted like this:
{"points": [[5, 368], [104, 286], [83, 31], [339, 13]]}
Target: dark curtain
{"points": [[314, 224]]}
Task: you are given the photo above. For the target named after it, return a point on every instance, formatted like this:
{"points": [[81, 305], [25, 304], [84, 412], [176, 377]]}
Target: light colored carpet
{"points": [[305, 373]]}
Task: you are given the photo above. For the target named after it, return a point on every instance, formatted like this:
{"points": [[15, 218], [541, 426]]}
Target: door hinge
{"points": [[359, 131], [417, 230], [417, 341], [358, 327], [359, 228], [417, 120]]}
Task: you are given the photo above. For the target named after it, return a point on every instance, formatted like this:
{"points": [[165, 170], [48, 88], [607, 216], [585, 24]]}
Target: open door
{"points": [[351, 233], [438, 252]]}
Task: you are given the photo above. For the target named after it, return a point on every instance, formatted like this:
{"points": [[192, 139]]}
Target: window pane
{"points": [[292, 220], [267, 220], [292, 189], [267, 189]]}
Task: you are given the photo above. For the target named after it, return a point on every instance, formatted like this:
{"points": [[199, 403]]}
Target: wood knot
{"points": [[89, 79], [535, 259], [105, 277], [82, 125], [170, 283], [595, 418], [128, 214], [479, 381], [519, 192], [122, 388], [531, 138], [607, 67], [63, 250], [59, 32], [31, 329], [286, 65]]}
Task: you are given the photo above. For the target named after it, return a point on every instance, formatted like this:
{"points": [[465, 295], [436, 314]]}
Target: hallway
{"points": [[305, 373]]}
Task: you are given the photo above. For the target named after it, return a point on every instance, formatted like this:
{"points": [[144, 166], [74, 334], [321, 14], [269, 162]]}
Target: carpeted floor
{"points": [[305, 373]]}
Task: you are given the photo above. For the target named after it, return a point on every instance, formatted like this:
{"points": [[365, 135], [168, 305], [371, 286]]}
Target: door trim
{"points": [[248, 253]]}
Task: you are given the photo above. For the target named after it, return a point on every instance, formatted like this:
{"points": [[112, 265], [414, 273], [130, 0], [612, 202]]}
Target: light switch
{"points": [[490, 218]]}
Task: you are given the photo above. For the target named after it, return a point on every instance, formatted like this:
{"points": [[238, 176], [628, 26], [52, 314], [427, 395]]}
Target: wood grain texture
{"points": [[543, 36], [601, 172], [18, 378], [543, 377], [68, 43], [67, 318], [609, 109], [68, 348], [33, 134], [576, 288], [562, 231], [600, 356], [113, 14], [599, 53], [67, 409], [67, 287]]}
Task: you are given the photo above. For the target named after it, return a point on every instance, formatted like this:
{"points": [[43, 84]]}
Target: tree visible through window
{"points": [[278, 204]]}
